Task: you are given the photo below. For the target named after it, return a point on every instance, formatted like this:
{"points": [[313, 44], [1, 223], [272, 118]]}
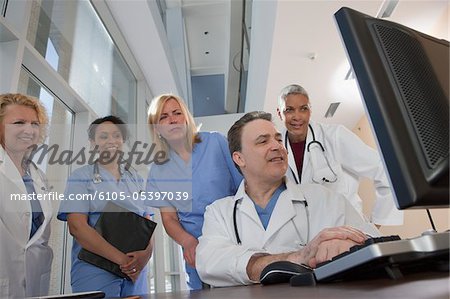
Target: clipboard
{"points": [[125, 230], [82, 295]]}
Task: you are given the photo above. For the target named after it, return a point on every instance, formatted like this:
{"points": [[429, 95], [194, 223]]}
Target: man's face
{"points": [[262, 156], [296, 114]]}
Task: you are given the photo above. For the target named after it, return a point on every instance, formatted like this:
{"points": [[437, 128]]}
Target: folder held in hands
{"points": [[125, 230]]}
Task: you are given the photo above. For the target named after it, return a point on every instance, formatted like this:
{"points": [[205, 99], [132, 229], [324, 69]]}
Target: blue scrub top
{"points": [[265, 213], [209, 175], [38, 215], [81, 182]]}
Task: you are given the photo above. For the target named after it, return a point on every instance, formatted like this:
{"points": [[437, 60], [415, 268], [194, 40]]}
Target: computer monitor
{"points": [[403, 77]]}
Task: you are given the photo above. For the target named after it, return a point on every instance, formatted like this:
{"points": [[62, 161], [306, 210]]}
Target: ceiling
{"points": [[306, 46], [213, 39], [303, 46], [207, 34]]}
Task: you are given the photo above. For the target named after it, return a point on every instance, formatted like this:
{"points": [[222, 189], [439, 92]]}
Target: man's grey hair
{"points": [[288, 90]]}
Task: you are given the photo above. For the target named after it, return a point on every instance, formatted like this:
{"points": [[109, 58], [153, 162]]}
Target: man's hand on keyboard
{"points": [[329, 249], [328, 243]]}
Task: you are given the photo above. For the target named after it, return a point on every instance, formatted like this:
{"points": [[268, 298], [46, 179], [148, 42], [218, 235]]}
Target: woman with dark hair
{"points": [[107, 175]]}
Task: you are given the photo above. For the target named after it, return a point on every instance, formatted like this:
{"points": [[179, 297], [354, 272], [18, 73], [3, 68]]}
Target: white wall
{"points": [[219, 123], [416, 221], [263, 18]]}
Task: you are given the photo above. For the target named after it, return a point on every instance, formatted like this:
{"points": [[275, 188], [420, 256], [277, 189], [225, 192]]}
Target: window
{"points": [[59, 132], [61, 53], [3, 4], [72, 39]]}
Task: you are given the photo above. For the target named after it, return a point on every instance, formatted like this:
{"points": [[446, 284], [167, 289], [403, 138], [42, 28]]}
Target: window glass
{"points": [[72, 39], [2, 7], [61, 121]]}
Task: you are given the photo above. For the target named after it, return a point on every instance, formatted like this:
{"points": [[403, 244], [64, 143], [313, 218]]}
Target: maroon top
{"points": [[298, 149]]}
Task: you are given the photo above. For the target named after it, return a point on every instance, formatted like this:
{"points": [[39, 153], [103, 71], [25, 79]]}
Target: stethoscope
{"points": [[314, 141], [97, 177], [45, 187], [305, 203]]}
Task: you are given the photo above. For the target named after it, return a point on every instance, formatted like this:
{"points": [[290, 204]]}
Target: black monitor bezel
{"points": [[415, 185]]}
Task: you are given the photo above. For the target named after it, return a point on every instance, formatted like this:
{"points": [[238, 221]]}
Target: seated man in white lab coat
{"points": [[270, 218]]}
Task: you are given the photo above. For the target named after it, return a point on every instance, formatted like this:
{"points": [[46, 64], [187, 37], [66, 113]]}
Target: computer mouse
{"points": [[282, 271]]}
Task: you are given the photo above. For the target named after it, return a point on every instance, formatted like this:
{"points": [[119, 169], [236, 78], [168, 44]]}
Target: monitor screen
{"points": [[403, 77]]}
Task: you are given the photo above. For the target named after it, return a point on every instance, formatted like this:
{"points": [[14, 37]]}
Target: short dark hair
{"points": [[235, 132], [111, 118]]}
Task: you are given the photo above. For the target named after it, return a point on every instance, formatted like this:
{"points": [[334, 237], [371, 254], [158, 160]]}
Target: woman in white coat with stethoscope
{"points": [[25, 257], [332, 156]]}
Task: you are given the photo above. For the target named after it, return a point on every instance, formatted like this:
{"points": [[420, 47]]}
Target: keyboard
{"points": [[368, 242], [389, 256]]}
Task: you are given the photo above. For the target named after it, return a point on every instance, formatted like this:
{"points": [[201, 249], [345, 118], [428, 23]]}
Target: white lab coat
{"points": [[351, 159], [25, 263], [220, 261]]}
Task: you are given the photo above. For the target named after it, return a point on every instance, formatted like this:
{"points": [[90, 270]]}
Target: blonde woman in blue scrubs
{"points": [[198, 171], [108, 176]]}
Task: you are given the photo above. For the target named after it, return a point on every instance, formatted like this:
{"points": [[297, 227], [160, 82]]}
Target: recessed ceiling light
{"points": [[386, 9], [350, 75], [332, 109]]}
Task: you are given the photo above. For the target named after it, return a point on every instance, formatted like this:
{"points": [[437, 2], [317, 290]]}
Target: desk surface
{"points": [[428, 285]]}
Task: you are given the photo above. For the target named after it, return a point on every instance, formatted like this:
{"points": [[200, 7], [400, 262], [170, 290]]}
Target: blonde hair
{"points": [[27, 101], [154, 113]]}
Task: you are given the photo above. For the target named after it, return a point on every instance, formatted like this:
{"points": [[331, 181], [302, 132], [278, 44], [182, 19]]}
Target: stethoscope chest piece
{"points": [[96, 178]]}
